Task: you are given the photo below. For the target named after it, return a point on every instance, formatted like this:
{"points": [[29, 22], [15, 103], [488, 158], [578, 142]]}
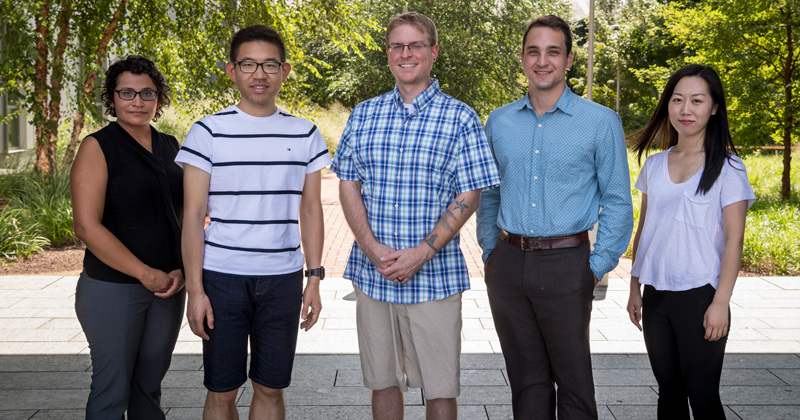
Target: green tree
{"points": [[755, 47], [478, 63], [41, 42], [50, 47]]}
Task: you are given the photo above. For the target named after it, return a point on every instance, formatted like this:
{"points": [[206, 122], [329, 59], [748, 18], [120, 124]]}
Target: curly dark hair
{"points": [[135, 64]]}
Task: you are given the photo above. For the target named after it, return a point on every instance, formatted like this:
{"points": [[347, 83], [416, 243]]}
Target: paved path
{"points": [[45, 368]]}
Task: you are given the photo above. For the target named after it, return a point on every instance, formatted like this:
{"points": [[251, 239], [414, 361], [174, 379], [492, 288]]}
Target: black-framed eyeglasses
{"points": [[413, 47], [130, 94], [269, 67]]}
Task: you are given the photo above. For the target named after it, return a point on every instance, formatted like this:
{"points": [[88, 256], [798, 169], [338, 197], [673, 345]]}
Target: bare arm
{"points": [[635, 298], [356, 215], [312, 235], [195, 202], [715, 320], [88, 183], [410, 260]]}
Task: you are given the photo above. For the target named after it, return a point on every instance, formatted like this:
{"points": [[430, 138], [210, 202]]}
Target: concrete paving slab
{"points": [[59, 415], [17, 414], [769, 346], [197, 413], [51, 347], [482, 361], [620, 361], [485, 395], [762, 361], [780, 334], [626, 377], [45, 380], [11, 335], [483, 377], [44, 363], [500, 412], [761, 412], [9, 301], [788, 376], [750, 377], [781, 322], [16, 399], [760, 395], [625, 395], [183, 379], [785, 283], [26, 282]]}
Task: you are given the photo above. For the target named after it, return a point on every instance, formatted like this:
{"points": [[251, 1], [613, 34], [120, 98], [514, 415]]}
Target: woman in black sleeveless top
{"points": [[126, 197]]}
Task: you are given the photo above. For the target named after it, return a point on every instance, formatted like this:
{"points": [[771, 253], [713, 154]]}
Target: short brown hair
{"points": [[553, 22], [417, 20]]}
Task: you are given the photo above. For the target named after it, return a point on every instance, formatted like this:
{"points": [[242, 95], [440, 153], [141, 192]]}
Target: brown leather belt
{"points": [[530, 243]]}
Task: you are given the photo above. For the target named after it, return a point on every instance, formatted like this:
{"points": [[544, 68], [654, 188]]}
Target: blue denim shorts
{"points": [[264, 308]]}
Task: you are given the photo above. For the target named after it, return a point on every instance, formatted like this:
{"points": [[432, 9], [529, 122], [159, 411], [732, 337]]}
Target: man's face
{"points": [[258, 89], [545, 59], [411, 69]]}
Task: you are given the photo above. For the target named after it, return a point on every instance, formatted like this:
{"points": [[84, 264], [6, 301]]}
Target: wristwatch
{"points": [[316, 272]]}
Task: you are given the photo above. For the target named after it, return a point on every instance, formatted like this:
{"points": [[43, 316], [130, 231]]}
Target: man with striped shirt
{"points": [[255, 170], [411, 165]]}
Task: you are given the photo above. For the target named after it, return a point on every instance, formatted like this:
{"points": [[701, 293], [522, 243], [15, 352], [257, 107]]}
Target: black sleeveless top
{"points": [[144, 201]]}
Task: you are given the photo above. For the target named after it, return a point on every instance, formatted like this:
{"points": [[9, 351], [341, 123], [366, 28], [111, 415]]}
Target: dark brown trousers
{"points": [[541, 303]]}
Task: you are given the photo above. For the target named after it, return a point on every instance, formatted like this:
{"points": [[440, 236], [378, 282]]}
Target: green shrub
{"points": [[18, 239], [36, 213]]}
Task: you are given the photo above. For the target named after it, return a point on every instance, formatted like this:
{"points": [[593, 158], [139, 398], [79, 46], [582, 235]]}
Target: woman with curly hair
{"points": [[126, 197]]}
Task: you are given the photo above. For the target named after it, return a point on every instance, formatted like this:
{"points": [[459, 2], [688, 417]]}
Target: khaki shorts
{"points": [[414, 345]]}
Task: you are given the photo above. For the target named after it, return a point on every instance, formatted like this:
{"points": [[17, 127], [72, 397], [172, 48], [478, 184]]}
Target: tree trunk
{"points": [[56, 76], [788, 108], [85, 94], [44, 160]]}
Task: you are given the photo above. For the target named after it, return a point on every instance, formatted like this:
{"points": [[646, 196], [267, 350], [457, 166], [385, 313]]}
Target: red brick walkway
{"points": [[339, 239]]}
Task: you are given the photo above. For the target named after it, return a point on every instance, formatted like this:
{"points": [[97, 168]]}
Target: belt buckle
{"points": [[536, 243]]}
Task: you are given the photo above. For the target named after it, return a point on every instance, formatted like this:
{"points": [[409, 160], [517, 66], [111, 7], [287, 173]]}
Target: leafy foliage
{"points": [[478, 61]]}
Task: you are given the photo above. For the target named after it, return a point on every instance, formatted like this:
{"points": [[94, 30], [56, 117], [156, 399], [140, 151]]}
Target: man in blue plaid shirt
{"points": [[411, 164]]}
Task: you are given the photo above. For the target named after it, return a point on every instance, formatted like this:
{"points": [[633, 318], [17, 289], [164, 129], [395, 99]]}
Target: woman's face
{"points": [[690, 107], [135, 112]]}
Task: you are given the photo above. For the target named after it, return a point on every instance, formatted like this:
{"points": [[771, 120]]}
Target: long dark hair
{"points": [[717, 144]]}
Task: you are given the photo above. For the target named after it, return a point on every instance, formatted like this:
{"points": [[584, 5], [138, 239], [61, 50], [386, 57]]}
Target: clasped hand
{"points": [[399, 266]]}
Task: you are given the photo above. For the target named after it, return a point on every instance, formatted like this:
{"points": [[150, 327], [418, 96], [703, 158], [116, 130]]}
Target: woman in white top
{"points": [[688, 245]]}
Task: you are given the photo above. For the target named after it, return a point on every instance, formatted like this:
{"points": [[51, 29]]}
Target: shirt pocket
{"points": [[693, 210]]}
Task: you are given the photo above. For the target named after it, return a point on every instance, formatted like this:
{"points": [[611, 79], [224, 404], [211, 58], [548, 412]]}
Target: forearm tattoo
{"points": [[431, 240]]}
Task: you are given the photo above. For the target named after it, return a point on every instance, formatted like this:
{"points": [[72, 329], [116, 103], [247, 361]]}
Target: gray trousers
{"points": [[541, 304], [131, 335]]}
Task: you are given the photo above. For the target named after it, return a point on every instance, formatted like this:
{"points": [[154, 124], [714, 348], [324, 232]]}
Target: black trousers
{"points": [[541, 303], [684, 363]]}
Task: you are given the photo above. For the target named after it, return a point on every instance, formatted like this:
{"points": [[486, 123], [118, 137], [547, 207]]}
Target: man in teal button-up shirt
{"points": [[561, 158]]}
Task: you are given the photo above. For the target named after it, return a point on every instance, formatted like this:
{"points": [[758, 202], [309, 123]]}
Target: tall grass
{"points": [[36, 212]]}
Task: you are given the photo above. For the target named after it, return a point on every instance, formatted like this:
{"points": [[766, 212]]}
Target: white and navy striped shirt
{"points": [[258, 167]]}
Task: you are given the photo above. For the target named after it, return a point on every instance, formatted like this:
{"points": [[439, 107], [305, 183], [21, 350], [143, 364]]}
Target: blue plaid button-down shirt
{"points": [[411, 163]]}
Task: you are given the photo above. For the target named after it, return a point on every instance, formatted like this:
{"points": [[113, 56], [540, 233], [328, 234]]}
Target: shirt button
{"points": [[536, 151], [395, 234], [401, 149], [535, 177], [395, 206], [531, 230], [540, 125], [533, 205]]}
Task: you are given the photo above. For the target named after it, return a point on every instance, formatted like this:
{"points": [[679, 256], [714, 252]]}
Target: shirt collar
{"points": [[422, 100], [566, 103]]}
